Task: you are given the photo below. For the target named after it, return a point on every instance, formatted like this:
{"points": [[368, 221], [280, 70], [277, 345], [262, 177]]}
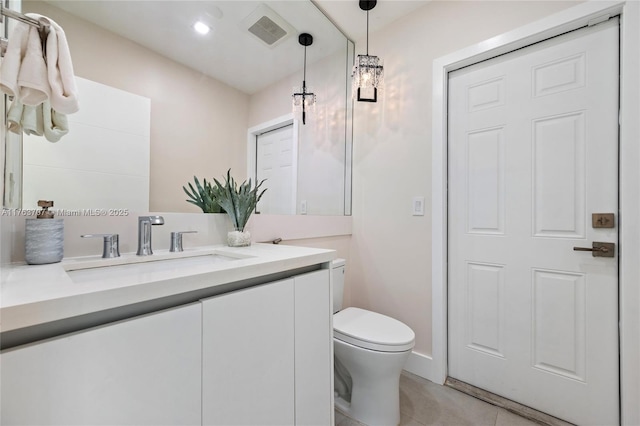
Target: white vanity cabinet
{"points": [[261, 355], [139, 371], [267, 357]]}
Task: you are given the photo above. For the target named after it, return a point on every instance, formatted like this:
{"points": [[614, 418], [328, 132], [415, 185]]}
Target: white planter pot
{"points": [[239, 239]]}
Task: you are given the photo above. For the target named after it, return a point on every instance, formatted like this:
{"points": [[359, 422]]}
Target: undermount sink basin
{"points": [[148, 266], [95, 262]]}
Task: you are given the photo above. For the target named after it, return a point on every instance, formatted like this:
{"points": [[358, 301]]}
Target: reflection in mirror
{"points": [[211, 101]]}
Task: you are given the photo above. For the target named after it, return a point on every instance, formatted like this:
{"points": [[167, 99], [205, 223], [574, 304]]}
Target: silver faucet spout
{"points": [[144, 233]]}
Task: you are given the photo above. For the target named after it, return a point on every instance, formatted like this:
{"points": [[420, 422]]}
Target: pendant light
{"points": [[303, 99], [368, 72]]}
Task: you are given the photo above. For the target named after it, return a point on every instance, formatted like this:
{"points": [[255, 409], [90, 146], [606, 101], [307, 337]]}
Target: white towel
{"points": [[32, 78], [10, 65], [55, 123], [32, 120], [25, 118], [64, 94], [39, 120], [14, 117]]}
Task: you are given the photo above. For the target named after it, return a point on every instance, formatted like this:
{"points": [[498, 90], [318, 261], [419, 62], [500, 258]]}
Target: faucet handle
{"points": [[176, 240], [110, 246]]}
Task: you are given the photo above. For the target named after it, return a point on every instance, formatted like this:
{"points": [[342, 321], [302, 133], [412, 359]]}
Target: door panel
{"points": [[532, 154], [276, 161]]}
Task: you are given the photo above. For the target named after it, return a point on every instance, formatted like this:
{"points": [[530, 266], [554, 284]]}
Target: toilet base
{"points": [[375, 393], [341, 405], [366, 415]]}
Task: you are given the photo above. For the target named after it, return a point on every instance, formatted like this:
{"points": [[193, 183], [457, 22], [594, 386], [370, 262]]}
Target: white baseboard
{"points": [[421, 365]]}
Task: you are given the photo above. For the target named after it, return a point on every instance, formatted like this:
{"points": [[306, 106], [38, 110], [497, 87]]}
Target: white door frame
{"points": [[261, 128], [629, 215]]}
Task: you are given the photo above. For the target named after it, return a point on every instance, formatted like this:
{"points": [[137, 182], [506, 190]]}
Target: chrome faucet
{"points": [[144, 233]]}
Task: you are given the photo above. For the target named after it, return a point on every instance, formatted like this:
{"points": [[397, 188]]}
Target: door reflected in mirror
{"points": [[277, 164]]}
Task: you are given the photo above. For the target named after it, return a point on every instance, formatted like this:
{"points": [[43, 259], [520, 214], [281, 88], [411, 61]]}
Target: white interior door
{"points": [[276, 161], [533, 140]]}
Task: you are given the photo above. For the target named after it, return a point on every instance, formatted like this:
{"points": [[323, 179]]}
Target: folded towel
{"points": [[25, 118], [10, 65], [32, 79], [21, 70], [32, 120], [55, 123], [39, 120], [64, 94], [14, 117]]}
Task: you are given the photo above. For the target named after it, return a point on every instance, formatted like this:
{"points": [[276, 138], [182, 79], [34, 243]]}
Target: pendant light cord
{"points": [[304, 87], [304, 71], [367, 33]]}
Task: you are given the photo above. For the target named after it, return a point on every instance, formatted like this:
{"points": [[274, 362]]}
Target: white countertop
{"points": [[37, 294]]}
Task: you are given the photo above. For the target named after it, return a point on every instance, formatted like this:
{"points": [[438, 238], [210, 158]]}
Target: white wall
{"points": [[106, 150], [390, 255]]}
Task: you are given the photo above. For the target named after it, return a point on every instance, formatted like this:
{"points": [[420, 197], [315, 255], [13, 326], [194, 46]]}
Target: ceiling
{"points": [[348, 16], [229, 52]]}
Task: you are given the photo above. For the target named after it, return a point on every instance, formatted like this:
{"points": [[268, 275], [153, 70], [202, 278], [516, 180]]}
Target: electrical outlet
{"points": [[418, 206], [303, 207]]}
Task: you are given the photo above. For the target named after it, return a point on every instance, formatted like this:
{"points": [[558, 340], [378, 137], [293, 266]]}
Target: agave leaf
{"points": [[239, 201], [202, 196], [191, 194], [195, 199], [223, 197]]}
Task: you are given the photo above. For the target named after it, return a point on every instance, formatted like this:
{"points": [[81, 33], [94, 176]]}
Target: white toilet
{"points": [[370, 351]]}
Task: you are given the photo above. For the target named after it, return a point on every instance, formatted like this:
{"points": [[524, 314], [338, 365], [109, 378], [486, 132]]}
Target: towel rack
{"points": [[42, 27]]}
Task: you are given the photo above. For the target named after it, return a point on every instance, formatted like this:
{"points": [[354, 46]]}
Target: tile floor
{"points": [[425, 403]]}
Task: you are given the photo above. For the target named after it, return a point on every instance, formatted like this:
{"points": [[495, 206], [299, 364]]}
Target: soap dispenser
{"points": [[44, 237]]}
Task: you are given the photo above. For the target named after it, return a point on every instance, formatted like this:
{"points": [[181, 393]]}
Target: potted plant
{"points": [[239, 202], [203, 196]]}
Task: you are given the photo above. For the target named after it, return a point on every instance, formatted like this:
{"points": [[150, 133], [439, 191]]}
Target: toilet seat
{"points": [[373, 331]]}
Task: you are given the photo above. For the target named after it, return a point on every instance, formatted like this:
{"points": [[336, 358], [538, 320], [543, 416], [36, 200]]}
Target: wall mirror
{"points": [[213, 102]]}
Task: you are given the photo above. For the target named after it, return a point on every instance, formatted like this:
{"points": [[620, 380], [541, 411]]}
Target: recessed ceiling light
{"points": [[201, 28]]}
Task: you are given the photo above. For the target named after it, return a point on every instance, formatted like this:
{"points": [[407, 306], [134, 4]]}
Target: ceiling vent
{"points": [[267, 26]]}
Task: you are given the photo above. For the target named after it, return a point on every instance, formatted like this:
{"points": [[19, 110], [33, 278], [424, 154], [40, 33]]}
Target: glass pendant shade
{"points": [[368, 78], [368, 72], [303, 102]]}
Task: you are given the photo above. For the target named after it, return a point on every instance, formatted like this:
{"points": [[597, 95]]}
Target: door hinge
{"points": [[598, 20]]}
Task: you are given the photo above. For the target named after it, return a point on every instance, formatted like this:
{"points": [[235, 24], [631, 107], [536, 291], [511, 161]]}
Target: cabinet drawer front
{"points": [[248, 356], [142, 371], [314, 349]]}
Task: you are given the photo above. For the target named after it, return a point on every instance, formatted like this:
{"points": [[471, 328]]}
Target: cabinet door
{"points": [[248, 363], [314, 349], [141, 371]]}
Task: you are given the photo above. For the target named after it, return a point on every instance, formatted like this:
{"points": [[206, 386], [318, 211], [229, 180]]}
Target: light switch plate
{"points": [[418, 206], [303, 207]]}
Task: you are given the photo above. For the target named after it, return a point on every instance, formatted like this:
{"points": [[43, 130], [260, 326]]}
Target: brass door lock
{"points": [[599, 249], [603, 220]]}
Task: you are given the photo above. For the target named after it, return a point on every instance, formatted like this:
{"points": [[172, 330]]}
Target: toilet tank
{"points": [[337, 283]]}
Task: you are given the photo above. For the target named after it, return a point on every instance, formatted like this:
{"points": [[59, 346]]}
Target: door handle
{"points": [[599, 249]]}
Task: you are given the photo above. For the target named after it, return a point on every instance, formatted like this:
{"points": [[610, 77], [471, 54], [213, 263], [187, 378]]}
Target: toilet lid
{"points": [[373, 331]]}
